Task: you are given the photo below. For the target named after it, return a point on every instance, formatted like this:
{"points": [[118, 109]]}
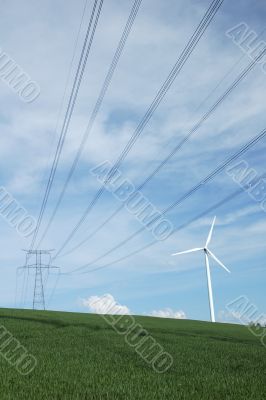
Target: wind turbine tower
{"points": [[207, 254]]}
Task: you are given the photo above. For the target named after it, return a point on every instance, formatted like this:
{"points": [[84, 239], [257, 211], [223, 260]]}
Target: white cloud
{"points": [[105, 304], [237, 317], [231, 317], [169, 313]]}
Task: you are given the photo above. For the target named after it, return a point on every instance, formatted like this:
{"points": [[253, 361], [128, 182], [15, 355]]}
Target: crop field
{"points": [[80, 356]]}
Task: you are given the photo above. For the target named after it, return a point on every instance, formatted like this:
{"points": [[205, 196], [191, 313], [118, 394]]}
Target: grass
{"points": [[81, 357]]}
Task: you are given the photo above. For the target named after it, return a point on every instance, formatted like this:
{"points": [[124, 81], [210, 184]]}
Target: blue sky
{"points": [[40, 36]]}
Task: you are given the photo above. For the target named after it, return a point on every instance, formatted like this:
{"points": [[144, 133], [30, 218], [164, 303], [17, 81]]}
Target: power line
{"points": [[25, 284], [180, 144], [226, 75], [54, 288], [183, 226], [188, 194], [105, 86], [70, 107], [23, 287], [206, 20], [68, 77]]}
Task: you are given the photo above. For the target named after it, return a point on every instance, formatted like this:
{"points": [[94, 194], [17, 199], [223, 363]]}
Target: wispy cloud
{"points": [[169, 313]]}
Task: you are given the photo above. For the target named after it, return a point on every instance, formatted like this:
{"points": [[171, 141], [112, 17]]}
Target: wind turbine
{"points": [[207, 253]]}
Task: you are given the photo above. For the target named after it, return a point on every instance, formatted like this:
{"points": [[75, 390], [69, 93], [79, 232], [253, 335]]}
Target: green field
{"points": [[81, 357]]}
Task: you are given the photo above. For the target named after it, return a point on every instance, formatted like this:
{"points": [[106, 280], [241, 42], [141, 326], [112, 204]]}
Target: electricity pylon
{"points": [[38, 302]]}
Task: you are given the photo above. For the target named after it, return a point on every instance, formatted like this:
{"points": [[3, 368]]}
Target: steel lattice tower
{"points": [[38, 296], [39, 265]]}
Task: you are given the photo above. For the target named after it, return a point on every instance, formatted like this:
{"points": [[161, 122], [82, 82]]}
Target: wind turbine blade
{"points": [[218, 261], [187, 251], [210, 233]]}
